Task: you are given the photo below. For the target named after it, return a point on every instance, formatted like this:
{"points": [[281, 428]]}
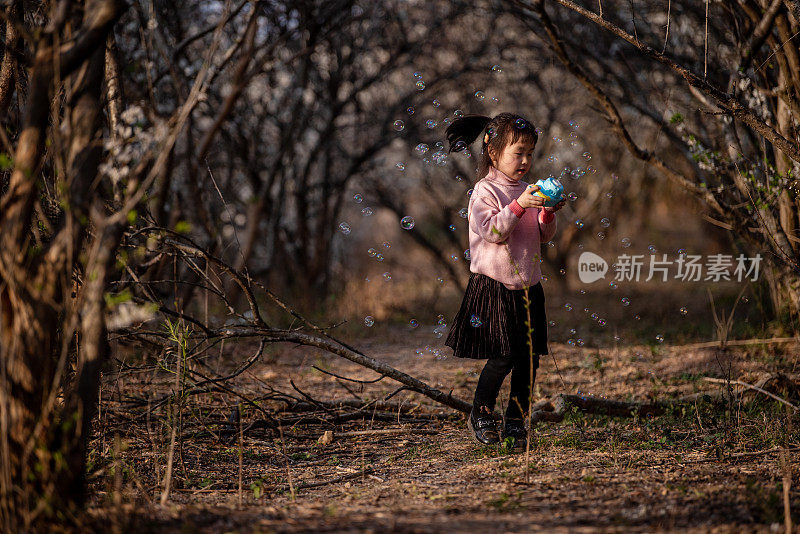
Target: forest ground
{"points": [[702, 467]]}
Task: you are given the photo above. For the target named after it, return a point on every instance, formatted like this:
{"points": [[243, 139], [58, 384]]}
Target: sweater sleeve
{"points": [[488, 219], [547, 225]]}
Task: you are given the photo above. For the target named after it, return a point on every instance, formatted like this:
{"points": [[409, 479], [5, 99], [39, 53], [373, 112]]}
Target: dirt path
{"points": [[586, 474]]}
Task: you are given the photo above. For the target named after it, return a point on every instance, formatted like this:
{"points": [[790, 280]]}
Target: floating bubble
{"points": [[497, 68], [467, 154], [399, 125], [400, 166], [520, 124], [413, 323], [439, 158], [407, 222], [436, 103], [410, 110], [595, 316], [358, 198], [660, 338], [568, 306], [421, 148], [572, 331], [475, 321], [495, 100], [552, 323], [580, 342], [420, 85], [458, 113], [601, 235], [387, 276], [610, 194], [552, 158], [571, 342], [538, 131], [467, 255], [366, 212], [681, 251], [452, 227], [579, 223], [379, 257], [430, 124], [587, 156], [372, 252], [438, 332], [637, 317], [745, 299], [556, 139], [591, 170], [573, 196], [652, 249], [612, 284], [417, 74], [562, 271], [344, 228], [683, 311], [573, 124], [625, 301], [369, 320], [440, 280], [626, 242], [479, 95], [386, 244], [454, 257], [601, 322], [460, 146], [463, 213]]}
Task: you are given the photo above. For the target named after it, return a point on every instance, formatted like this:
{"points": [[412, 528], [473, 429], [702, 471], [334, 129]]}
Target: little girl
{"points": [[507, 224]]}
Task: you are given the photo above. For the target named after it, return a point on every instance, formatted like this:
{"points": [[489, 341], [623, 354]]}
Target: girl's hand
{"points": [[556, 207], [528, 200]]}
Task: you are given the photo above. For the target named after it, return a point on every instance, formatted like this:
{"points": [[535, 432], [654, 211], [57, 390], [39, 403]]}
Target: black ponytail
{"points": [[463, 131]]}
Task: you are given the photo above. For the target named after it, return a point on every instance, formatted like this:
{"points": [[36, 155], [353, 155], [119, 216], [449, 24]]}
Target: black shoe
{"points": [[515, 428], [483, 428]]}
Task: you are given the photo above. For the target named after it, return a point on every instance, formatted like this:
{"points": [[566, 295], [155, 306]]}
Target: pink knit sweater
{"points": [[498, 224]]}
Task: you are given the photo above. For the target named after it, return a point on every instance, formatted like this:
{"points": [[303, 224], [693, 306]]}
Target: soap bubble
{"points": [[571, 342], [386, 244], [440, 280], [358, 198], [637, 317], [452, 227], [475, 321], [438, 331], [568, 306], [372, 252], [420, 85], [413, 323], [497, 68], [652, 249], [495, 100], [458, 113], [604, 222], [369, 320], [379, 257], [573, 196], [410, 110], [436, 103], [479, 96], [421, 148], [601, 235], [417, 74], [344, 228], [601, 322], [660, 338], [454, 257], [439, 158], [407, 222], [459, 146], [467, 255], [366, 212], [463, 213], [520, 123], [625, 301], [430, 124], [684, 311], [400, 166], [626, 242], [399, 125], [587, 156], [580, 342], [572, 331], [573, 124], [556, 139], [552, 323], [387, 276], [579, 223], [612, 284]]}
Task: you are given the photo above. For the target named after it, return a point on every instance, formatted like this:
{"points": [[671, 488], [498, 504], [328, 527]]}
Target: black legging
{"points": [[492, 376]]}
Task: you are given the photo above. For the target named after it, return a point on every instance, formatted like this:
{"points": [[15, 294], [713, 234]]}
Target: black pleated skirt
{"points": [[491, 321]]}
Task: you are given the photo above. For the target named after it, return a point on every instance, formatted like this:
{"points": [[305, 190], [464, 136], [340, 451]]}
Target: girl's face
{"points": [[515, 160]]}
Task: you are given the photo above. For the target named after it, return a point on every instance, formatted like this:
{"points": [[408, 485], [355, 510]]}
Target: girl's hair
{"points": [[502, 130]]}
